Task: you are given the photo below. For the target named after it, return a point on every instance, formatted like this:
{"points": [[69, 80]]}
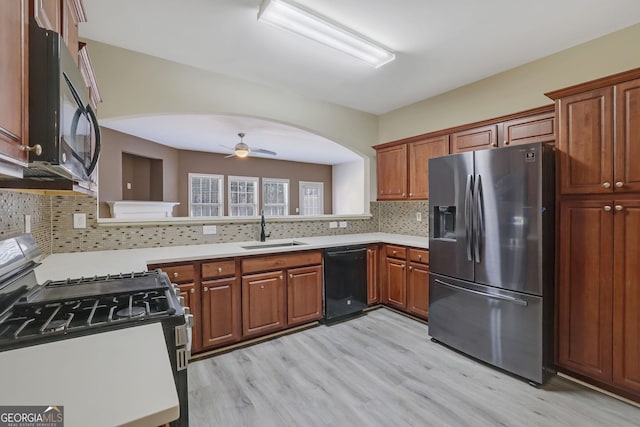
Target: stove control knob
{"points": [[181, 299], [177, 292], [189, 320], [187, 310]]}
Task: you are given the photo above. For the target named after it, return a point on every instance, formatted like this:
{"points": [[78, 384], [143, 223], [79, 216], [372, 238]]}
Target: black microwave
{"points": [[61, 120]]}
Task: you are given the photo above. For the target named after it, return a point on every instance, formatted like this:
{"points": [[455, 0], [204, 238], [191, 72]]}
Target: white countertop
{"points": [[78, 264], [120, 377]]}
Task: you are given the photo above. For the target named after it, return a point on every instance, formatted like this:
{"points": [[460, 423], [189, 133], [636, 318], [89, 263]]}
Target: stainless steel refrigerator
{"points": [[491, 251]]}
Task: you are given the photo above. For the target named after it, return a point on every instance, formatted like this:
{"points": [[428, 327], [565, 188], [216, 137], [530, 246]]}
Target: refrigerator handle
{"points": [[467, 215], [478, 223]]}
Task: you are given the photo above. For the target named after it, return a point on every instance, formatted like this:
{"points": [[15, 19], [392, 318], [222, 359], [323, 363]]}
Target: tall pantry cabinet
{"points": [[598, 288]]}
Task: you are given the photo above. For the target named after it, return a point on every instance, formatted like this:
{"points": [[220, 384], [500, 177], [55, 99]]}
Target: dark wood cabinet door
{"points": [[585, 142], [396, 283], [263, 303], [419, 154], [220, 312], [418, 290], [304, 294], [585, 287], [627, 149], [188, 292], [14, 101], [392, 172], [538, 128], [626, 295], [475, 139], [373, 276]]}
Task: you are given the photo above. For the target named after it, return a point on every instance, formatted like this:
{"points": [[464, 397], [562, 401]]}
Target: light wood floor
{"points": [[381, 370]]}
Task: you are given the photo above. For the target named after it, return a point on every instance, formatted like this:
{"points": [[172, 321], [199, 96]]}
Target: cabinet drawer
{"points": [[286, 260], [393, 251], [419, 255], [178, 273], [215, 269]]}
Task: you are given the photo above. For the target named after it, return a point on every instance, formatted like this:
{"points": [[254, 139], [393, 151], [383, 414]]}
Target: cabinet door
{"points": [[538, 128], [585, 287], [304, 294], [626, 295], [419, 154], [263, 303], [475, 139], [47, 14], [585, 142], [14, 81], [396, 283], [418, 290], [373, 279], [71, 15], [627, 166], [392, 172], [188, 292], [220, 312]]}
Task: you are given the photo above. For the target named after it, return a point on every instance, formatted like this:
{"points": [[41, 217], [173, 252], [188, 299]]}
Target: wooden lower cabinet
{"points": [[418, 290], [304, 294], [221, 318], [373, 276], [395, 283], [263, 303]]}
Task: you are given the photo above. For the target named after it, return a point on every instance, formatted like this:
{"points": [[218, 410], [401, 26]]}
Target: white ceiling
{"points": [[439, 44]]}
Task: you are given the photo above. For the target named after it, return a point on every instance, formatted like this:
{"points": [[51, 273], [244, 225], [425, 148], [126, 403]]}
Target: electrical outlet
{"points": [[128, 186], [79, 220], [209, 229], [343, 224], [27, 223], [333, 224], [418, 216]]}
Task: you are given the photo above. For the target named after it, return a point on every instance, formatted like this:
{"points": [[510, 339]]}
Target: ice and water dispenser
{"points": [[444, 222]]}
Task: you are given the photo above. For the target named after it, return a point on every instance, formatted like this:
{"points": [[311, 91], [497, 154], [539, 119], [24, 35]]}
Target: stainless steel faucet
{"points": [[263, 236]]}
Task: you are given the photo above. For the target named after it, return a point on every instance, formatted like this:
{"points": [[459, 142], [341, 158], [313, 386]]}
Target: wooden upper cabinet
{"points": [[627, 143], [392, 172], [585, 142], [14, 79], [584, 289], [475, 139], [626, 295], [72, 14], [47, 14], [537, 128], [419, 154]]}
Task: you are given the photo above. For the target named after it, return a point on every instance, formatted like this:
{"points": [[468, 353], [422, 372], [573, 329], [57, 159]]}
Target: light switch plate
{"points": [[333, 224], [418, 216], [79, 220], [343, 224], [209, 229], [27, 223]]}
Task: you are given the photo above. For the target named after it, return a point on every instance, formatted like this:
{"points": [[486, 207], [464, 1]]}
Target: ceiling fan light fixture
{"points": [[294, 18], [242, 150]]}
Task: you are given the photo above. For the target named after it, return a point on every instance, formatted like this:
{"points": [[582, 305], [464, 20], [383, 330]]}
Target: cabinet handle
{"points": [[619, 184], [606, 185], [219, 269], [607, 208], [206, 289], [619, 208], [37, 149], [175, 274], [193, 291]]}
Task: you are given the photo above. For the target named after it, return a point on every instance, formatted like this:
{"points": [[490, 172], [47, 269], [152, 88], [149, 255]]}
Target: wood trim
{"points": [[281, 261], [78, 9], [538, 110], [595, 84]]}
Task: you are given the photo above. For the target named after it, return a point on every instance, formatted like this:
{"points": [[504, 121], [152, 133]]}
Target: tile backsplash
{"points": [[52, 225]]}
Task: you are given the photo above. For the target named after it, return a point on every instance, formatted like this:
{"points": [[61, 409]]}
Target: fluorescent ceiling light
{"points": [[296, 19]]}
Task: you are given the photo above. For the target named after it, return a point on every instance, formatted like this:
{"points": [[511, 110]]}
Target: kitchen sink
{"points": [[273, 245]]}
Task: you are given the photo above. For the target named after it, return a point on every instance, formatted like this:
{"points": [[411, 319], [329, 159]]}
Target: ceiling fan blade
{"points": [[263, 151], [230, 155], [227, 147]]}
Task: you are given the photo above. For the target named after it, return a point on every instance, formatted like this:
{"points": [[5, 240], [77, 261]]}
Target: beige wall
{"points": [[517, 89]]}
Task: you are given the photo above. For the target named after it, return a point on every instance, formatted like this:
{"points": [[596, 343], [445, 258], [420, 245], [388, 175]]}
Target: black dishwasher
{"points": [[345, 282]]}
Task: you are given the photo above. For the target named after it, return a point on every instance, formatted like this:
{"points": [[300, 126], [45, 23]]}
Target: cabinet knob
{"points": [[370, 251], [36, 149], [403, 194], [261, 286], [291, 275], [206, 289], [403, 266], [410, 268], [410, 194], [619, 184], [175, 274], [219, 269], [618, 208], [506, 142], [281, 277], [420, 257], [394, 252], [607, 208], [494, 144], [193, 291], [606, 185]]}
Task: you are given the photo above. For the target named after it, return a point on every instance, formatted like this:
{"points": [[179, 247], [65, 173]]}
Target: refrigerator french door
{"points": [[491, 256]]}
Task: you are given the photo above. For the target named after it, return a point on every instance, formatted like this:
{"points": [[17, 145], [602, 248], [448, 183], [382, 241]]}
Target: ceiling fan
{"points": [[242, 150]]}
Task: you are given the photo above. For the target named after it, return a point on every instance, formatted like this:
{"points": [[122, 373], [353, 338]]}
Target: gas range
{"points": [[37, 314]]}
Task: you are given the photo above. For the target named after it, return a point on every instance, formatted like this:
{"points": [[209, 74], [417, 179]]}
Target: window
{"points": [[275, 196], [243, 196], [311, 198], [206, 195]]}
